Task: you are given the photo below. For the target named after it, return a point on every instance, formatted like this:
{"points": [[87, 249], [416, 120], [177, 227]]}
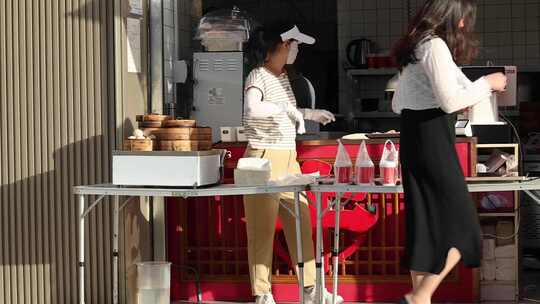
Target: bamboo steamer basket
{"points": [[152, 117], [146, 144], [203, 134], [179, 123], [149, 124], [185, 145]]}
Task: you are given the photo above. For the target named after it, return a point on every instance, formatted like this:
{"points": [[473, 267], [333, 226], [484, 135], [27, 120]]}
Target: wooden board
{"points": [[176, 123], [383, 135], [185, 145]]}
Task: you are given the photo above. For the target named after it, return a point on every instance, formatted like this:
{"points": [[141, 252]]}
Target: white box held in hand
{"points": [[228, 134]]}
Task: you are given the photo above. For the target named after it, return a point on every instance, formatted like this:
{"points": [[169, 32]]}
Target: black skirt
{"points": [[440, 213]]}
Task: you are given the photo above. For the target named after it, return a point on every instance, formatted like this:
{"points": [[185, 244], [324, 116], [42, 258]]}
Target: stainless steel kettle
{"points": [[358, 51]]}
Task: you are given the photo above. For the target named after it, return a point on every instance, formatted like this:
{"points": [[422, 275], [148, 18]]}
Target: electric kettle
{"points": [[358, 51]]}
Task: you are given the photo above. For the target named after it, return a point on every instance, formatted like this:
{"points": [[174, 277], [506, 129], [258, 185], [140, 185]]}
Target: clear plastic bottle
{"points": [[364, 167], [342, 166]]}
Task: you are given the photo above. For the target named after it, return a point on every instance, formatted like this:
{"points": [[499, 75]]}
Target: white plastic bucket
{"points": [[153, 282]]}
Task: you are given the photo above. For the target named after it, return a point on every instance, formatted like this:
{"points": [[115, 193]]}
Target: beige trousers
{"points": [[261, 213]]}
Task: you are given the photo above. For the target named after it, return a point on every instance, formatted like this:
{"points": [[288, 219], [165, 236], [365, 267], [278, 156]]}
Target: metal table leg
{"points": [[82, 207], [319, 249], [115, 249], [337, 207], [299, 248]]}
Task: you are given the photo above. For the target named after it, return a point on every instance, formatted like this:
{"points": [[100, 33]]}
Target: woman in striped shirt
{"points": [[272, 120]]}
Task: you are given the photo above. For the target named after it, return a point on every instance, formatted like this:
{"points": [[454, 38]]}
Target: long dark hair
{"points": [[440, 18]]}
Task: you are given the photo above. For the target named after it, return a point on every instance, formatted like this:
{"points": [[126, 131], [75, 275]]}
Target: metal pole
{"points": [[319, 249], [81, 249], [337, 207], [299, 249], [115, 248], [155, 49]]}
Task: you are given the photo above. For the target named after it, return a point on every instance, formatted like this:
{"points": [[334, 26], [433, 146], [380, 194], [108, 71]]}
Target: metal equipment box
{"points": [[218, 92], [167, 168]]}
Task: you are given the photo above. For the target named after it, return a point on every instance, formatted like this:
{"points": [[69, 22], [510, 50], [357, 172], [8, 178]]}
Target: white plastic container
{"points": [[389, 165], [154, 283], [241, 134], [228, 134]]}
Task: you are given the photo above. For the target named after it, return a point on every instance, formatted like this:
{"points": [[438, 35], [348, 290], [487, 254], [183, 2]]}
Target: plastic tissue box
{"points": [[252, 172]]}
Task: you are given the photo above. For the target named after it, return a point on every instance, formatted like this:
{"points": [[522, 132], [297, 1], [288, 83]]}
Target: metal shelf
{"points": [[528, 69], [494, 214], [498, 282], [372, 72]]}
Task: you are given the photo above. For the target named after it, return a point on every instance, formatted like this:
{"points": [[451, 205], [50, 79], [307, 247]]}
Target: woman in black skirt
{"points": [[442, 224]]}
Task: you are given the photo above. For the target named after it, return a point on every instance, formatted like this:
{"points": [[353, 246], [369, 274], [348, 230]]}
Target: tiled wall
{"points": [[508, 31], [179, 16]]}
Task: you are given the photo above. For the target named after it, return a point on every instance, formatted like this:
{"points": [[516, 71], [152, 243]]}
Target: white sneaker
{"points": [[310, 296], [265, 299]]}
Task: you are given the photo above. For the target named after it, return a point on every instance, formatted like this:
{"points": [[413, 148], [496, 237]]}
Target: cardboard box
{"points": [[488, 249], [487, 272], [497, 292], [504, 231], [505, 269], [488, 231], [508, 251]]}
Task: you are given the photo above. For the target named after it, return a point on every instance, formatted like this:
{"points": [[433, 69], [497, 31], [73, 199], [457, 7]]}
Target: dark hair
{"points": [[440, 18], [264, 40]]}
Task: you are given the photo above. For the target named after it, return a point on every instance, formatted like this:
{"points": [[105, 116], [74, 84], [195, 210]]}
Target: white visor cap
{"points": [[295, 34]]}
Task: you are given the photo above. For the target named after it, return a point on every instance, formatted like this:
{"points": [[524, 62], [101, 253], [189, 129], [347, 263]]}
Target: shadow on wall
{"points": [[39, 232], [39, 228]]}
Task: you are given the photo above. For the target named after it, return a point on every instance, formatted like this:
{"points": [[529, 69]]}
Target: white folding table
{"points": [[530, 186], [103, 190]]}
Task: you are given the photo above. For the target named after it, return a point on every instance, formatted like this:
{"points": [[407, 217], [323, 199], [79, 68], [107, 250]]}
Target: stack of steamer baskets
{"points": [[176, 134]]}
